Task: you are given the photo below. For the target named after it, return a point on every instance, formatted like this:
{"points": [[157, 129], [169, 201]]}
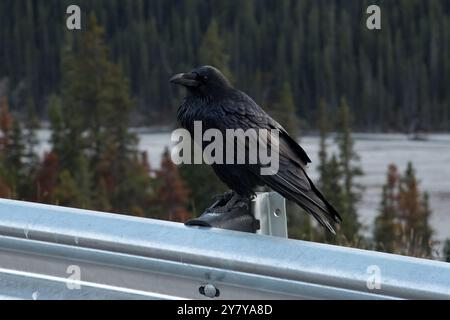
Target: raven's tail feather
{"points": [[312, 201]]}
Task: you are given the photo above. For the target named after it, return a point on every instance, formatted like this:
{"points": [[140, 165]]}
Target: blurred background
{"points": [[86, 115]]}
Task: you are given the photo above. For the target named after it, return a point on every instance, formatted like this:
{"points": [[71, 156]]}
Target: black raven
{"points": [[212, 100]]}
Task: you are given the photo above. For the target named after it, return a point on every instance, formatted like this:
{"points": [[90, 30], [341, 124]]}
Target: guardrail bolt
{"points": [[209, 291]]}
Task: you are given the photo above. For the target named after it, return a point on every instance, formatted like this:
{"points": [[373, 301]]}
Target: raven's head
{"points": [[205, 80]]}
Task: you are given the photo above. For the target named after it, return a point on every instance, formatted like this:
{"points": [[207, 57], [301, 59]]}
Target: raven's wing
{"points": [[291, 180]]}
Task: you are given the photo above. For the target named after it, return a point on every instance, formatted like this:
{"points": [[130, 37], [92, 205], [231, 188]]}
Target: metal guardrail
{"points": [[49, 252]]}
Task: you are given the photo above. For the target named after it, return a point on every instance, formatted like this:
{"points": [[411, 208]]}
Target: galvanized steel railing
{"points": [[49, 252]]}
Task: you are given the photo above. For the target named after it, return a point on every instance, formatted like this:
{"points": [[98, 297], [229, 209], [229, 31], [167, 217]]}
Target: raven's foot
{"points": [[228, 201], [221, 199], [229, 212]]}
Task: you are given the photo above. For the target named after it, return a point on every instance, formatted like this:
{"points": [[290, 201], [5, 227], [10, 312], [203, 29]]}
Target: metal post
{"points": [[270, 209]]}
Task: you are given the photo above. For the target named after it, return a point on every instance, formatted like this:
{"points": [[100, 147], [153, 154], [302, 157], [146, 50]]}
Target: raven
{"points": [[212, 100]]}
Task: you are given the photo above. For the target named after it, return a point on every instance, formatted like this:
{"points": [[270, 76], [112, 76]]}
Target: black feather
{"points": [[220, 106]]}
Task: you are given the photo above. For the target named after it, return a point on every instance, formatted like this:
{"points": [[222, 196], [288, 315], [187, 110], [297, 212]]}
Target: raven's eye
{"points": [[205, 78]]}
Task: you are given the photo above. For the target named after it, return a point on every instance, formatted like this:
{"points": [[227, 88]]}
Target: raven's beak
{"points": [[185, 79]]}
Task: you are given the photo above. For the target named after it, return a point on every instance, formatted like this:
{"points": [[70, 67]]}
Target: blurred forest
{"points": [[392, 78], [312, 64]]}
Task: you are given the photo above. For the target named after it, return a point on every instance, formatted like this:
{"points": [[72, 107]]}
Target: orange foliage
{"points": [[47, 178], [6, 122], [172, 193]]}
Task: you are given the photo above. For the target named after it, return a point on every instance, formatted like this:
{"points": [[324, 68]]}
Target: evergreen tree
{"points": [[6, 124], [447, 250], [32, 124], [283, 110], [172, 192], [66, 193], [204, 185], [324, 127], [102, 196], [300, 224], [57, 124], [424, 228], [402, 226], [47, 179], [336, 196], [12, 154], [30, 158], [414, 214], [14, 160], [386, 232], [351, 170], [330, 171], [91, 135], [5, 190], [385, 78], [213, 51]]}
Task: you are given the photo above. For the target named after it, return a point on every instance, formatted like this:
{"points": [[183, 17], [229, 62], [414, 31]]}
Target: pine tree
{"points": [[386, 232], [414, 214], [27, 144], [323, 126], [5, 190], [283, 110], [386, 78], [171, 192], [91, 136], [351, 170], [6, 124], [300, 224], [67, 193], [12, 154], [47, 178], [447, 250], [14, 160], [32, 124], [212, 50], [336, 196], [424, 228], [102, 196], [203, 184], [57, 123]]}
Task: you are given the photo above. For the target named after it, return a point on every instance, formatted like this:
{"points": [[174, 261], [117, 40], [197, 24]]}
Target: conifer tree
{"points": [[325, 184], [6, 124], [323, 126], [91, 135], [447, 250], [351, 170], [5, 132], [66, 193], [386, 78], [330, 172], [284, 110], [14, 160], [212, 50], [47, 178], [387, 229], [171, 192], [12, 154], [414, 214], [32, 124]]}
